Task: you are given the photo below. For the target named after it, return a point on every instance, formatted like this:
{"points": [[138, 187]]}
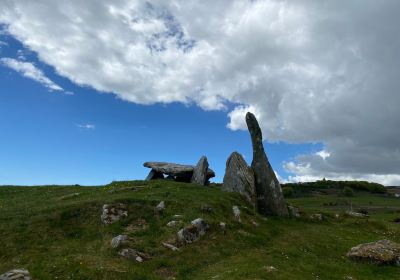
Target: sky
{"points": [[90, 90]]}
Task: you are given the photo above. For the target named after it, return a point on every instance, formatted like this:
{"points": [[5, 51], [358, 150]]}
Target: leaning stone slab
{"points": [[200, 172], [380, 252], [154, 175], [179, 171], [268, 190], [239, 177], [113, 212], [16, 274]]}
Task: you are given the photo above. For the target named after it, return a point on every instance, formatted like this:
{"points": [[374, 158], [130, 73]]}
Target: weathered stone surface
{"points": [[193, 232], [200, 172], [132, 254], [16, 274], [179, 171], [154, 175], [239, 177], [380, 252], [119, 241], [268, 190], [113, 212]]}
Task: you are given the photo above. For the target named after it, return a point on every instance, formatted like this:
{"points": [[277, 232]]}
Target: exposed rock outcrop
{"points": [[239, 177], [16, 274], [268, 190], [179, 172], [380, 252], [113, 212], [200, 172]]}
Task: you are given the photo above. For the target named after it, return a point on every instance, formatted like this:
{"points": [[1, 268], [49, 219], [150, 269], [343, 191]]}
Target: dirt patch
{"points": [[138, 225]]}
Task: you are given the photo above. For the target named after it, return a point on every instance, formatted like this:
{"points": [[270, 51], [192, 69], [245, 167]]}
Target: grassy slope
{"points": [[64, 239]]}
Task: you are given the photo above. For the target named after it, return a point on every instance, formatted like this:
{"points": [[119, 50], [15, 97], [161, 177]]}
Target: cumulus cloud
{"points": [[312, 71], [86, 126], [30, 71]]}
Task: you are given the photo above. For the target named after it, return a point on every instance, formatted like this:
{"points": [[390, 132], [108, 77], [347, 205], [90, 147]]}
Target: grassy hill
{"points": [[57, 236]]}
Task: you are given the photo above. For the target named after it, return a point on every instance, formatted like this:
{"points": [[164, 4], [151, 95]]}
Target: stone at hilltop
{"points": [[200, 172], [113, 212], [268, 190], [380, 252], [239, 177], [180, 172], [16, 274], [153, 175]]}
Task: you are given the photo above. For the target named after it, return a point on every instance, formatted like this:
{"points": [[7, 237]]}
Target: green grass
{"points": [[64, 238]]}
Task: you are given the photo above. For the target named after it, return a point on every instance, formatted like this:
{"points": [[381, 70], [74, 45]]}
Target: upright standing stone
{"points": [[200, 172], [239, 177], [268, 190]]}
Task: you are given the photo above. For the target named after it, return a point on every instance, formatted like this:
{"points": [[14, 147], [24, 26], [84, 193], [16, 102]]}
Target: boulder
{"points": [[268, 190], [16, 274], [294, 211], [113, 212], [193, 232], [180, 172], [239, 177], [200, 172], [380, 252], [119, 240]]}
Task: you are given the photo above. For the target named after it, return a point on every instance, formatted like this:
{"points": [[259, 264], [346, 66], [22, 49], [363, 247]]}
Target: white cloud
{"points": [[313, 71], [30, 71], [86, 126]]}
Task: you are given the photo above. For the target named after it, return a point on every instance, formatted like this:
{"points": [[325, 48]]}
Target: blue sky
{"points": [[89, 90], [46, 139]]}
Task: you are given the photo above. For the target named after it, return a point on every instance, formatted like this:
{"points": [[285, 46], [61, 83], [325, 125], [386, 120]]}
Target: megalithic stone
{"points": [[200, 172], [268, 190]]}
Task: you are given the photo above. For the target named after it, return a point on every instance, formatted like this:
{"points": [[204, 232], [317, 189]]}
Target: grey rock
{"points": [[154, 175], [236, 213], [239, 177], [317, 217], [200, 172], [173, 223], [113, 212], [356, 214], [170, 246], [294, 211], [179, 171], [16, 274], [193, 232], [119, 240], [160, 207], [268, 190], [132, 254], [380, 252]]}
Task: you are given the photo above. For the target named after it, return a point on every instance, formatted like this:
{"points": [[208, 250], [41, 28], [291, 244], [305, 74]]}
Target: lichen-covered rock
{"points": [[193, 232], [113, 212], [239, 177], [380, 252], [200, 172], [16, 274], [119, 240], [268, 190]]}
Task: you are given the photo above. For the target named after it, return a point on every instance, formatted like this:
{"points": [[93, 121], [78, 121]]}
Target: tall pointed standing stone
{"points": [[200, 172], [268, 190]]}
